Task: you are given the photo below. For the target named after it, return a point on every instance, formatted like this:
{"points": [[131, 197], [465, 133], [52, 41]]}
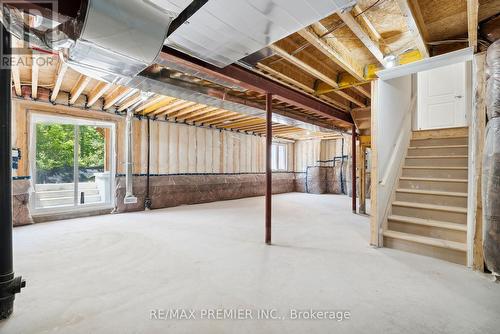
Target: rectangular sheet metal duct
{"points": [[222, 32]]}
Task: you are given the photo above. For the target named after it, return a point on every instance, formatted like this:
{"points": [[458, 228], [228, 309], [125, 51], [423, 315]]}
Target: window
{"points": [[72, 166], [279, 157]]}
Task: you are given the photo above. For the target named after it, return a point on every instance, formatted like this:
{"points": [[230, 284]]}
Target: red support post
{"points": [[269, 175], [353, 150]]}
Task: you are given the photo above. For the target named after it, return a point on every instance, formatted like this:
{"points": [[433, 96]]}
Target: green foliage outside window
{"points": [[55, 144]]}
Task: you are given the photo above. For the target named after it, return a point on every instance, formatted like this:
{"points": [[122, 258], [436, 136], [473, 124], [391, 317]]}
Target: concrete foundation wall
{"points": [[173, 190]]}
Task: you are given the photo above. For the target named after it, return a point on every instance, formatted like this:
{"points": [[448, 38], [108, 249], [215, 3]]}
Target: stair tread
{"points": [[436, 167], [436, 156], [443, 137], [437, 146], [427, 240], [411, 178], [447, 208], [429, 222], [432, 192]]}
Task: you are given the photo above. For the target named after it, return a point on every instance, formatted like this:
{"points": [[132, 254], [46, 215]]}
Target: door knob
{"points": [[458, 96]]}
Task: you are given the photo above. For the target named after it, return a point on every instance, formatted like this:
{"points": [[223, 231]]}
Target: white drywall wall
{"points": [[393, 122]]}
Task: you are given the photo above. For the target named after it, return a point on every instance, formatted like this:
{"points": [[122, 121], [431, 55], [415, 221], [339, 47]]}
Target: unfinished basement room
{"points": [[250, 166]]}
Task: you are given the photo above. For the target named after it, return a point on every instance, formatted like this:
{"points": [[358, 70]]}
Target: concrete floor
{"points": [[105, 274]]}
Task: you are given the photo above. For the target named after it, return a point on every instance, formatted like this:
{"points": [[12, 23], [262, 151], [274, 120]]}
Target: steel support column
{"points": [[353, 152], [9, 284], [269, 175]]}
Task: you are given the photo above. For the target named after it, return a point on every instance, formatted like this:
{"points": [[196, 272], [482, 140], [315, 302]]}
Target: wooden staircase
{"points": [[429, 211]]}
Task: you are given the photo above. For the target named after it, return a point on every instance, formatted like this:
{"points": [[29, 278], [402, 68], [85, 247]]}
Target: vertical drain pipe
{"points": [[129, 195], [269, 175], [147, 199], [9, 285]]}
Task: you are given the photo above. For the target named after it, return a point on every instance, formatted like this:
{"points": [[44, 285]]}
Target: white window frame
{"points": [[276, 159], [40, 118]]}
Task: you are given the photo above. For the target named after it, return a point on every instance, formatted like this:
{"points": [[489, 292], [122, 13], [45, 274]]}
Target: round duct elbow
{"points": [[117, 38]]}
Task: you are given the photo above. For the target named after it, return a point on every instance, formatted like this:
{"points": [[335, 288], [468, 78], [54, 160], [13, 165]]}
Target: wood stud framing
{"points": [[472, 22], [405, 8]]}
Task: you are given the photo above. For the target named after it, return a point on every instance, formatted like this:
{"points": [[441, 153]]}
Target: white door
{"points": [[442, 97]]}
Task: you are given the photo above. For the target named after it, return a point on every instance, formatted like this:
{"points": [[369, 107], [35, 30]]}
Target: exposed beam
{"points": [[356, 28], [163, 106], [34, 76], [252, 121], [16, 75], [227, 119], [203, 112], [413, 27], [152, 101], [116, 96], [292, 83], [171, 110], [77, 90], [130, 101], [315, 73], [285, 78], [304, 66], [367, 24], [350, 98], [333, 49], [472, 22], [253, 81], [61, 71], [188, 110], [99, 90], [216, 115], [362, 90]]}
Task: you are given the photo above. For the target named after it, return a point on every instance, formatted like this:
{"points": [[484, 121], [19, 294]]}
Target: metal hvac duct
{"points": [[117, 39], [222, 32]]}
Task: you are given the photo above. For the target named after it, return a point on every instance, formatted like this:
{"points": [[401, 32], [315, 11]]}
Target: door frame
{"points": [[40, 117]]}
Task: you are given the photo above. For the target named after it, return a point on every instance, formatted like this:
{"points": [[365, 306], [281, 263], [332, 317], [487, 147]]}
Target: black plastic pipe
{"points": [[269, 173], [9, 284]]}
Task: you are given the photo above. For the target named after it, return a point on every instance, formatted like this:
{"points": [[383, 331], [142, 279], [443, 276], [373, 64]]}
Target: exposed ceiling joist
{"points": [[285, 78], [255, 82], [188, 110], [333, 49], [413, 27], [77, 90], [152, 101], [360, 15], [135, 98], [216, 115], [363, 36], [116, 96], [61, 71], [99, 90], [34, 76], [304, 66], [199, 113], [472, 22], [363, 91], [157, 105], [16, 73]]}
